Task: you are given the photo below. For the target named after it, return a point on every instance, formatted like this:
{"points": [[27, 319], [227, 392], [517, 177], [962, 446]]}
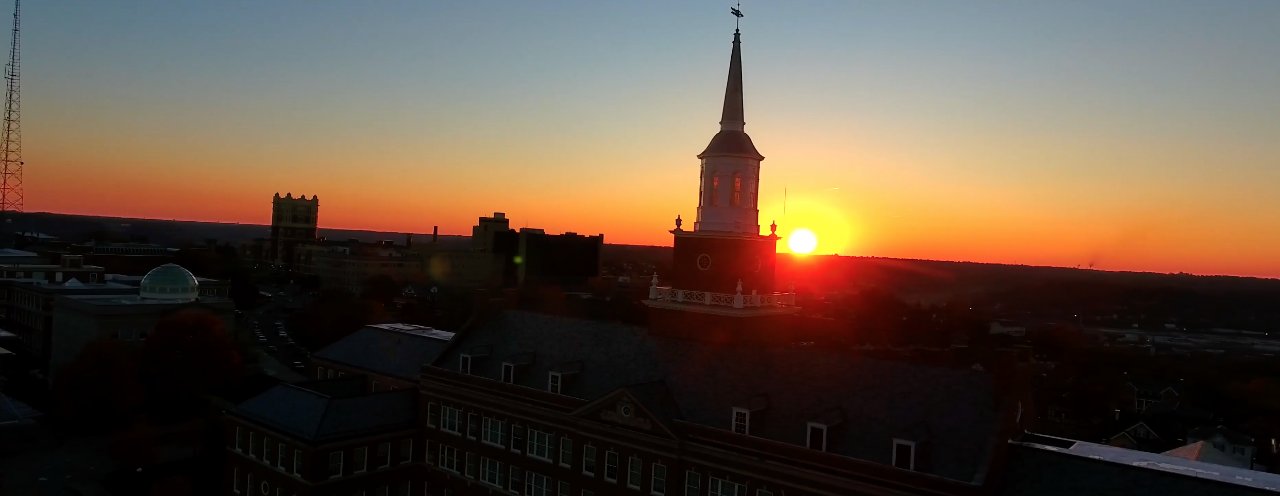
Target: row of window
{"points": [[264, 449], [735, 200], [543, 446]]}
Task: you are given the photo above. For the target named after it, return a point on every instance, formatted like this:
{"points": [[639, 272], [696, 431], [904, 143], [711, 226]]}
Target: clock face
{"points": [[704, 261]]}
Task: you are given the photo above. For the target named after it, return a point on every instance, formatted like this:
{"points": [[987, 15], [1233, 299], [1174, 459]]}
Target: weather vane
{"points": [[737, 14]]}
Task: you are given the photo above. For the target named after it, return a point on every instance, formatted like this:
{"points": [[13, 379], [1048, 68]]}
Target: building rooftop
{"points": [[10, 252], [395, 350], [951, 410], [1046, 467], [135, 300], [323, 411]]}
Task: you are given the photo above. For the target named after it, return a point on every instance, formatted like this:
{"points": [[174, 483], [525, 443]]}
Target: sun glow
{"points": [[802, 241]]}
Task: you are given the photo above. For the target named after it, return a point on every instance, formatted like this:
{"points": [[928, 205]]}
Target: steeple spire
{"points": [[731, 118]]}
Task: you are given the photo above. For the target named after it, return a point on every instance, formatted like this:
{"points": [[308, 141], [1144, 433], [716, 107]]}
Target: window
{"points": [[517, 437], [374, 387], [715, 190], [473, 426], [658, 485], [239, 438], [508, 373], [450, 421], [406, 450], [904, 456], [553, 382], [297, 462], [817, 436], [464, 364], [1237, 450], [253, 444], [566, 452], [280, 454], [360, 462], [721, 487], [611, 466], [692, 483], [384, 455], [633, 472], [492, 432], [737, 189], [516, 481], [249, 486], [266, 450], [589, 460], [471, 465], [335, 464], [491, 472], [404, 489], [564, 489], [449, 458], [235, 480], [319, 372], [741, 421], [538, 485], [433, 414], [1220, 447], [539, 445], [328, 373], [265, 487]]}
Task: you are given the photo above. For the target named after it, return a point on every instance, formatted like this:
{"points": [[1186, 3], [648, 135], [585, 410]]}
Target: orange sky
{"points": [[1021, 143]]}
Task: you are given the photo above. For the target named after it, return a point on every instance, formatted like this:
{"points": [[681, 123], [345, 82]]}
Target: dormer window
{"points": [[817, 436], [464, 364], [508, 373], [904, 454], [741, 421], [553, 382]]}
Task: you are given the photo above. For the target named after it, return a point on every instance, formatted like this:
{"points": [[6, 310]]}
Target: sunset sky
{"points": [[1129, 135]]}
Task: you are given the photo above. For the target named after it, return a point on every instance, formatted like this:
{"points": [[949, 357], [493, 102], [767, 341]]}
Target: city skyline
{"points": [[896, 130]]}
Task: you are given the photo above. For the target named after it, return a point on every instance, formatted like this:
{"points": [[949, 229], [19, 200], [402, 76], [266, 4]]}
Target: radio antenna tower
{"points": [[11, 141]]}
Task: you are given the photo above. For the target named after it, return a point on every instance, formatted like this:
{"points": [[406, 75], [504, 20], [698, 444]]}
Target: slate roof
{"points": [[386, 351], [952, 410], [305, 412], [1202, 451], [1047, 466]]}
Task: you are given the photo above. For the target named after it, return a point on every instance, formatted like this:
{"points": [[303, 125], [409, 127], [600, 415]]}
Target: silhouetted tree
{"points": [[382, 289], [331, 316], [188, 354], [100, 388]]}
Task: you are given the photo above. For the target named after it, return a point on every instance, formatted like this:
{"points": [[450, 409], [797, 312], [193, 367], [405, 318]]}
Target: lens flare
{"points": [[802, 241]]}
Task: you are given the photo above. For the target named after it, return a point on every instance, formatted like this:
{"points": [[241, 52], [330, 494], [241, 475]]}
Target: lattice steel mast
{"points": [[11, 141]]}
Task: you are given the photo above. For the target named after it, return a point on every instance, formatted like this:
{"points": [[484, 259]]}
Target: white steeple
{"points": [[730, 182]]}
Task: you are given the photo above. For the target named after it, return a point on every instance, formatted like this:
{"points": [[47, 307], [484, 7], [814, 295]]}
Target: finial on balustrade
{"points": [[678, 222], [739, 286], [653, 287]]}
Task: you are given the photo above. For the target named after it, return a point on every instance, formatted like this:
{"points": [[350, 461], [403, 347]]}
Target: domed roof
{"points": [[170, 282]]}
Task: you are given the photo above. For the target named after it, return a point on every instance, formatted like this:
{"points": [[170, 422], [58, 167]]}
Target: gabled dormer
{"points": [[468, 359], [740, 421], [818, 431], [514, 365], [560, 374]]}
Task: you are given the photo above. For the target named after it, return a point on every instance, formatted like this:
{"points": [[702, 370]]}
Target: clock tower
{"points": [[724, 266]]}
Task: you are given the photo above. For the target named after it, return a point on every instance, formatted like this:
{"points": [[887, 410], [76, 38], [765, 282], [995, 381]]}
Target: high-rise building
{"points": [[482, 233], [293, 221]]}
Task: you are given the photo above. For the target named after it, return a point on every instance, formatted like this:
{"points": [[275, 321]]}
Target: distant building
{"points": [[533, 257], [1147, 393], [349, 264], [1218, 445], [293, 222], [79, 319], [10, 256], [390, 356], [482, 233]]}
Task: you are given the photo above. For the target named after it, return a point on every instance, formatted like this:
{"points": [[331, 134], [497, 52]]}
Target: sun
{"points": [[802, 241]]}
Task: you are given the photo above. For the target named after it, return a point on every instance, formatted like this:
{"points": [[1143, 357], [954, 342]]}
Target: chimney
{"points": [[435, 231]]}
